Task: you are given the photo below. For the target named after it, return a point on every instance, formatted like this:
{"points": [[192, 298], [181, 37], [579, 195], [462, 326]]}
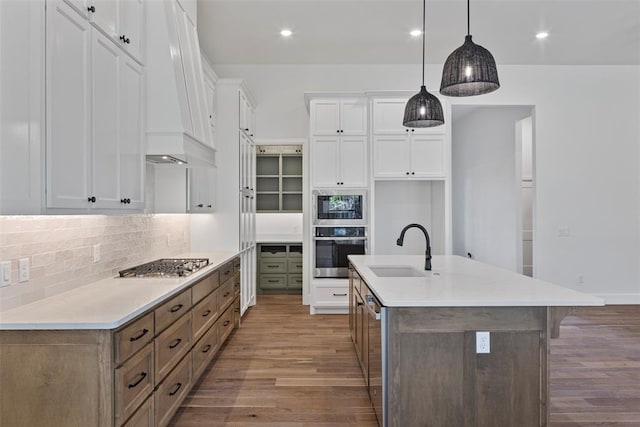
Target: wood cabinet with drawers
{"points": [[136, 375], [280, 267]]}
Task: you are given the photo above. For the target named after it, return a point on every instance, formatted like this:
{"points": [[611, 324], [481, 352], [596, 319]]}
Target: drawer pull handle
{"points": [[226, 322], [141, 376], [226, 294], [272, 266], [175, 343], [226, 273], [272, 281], [206, 348], [206, 313], [175, 389], [339, 295], [140, 335], [176, 307]]}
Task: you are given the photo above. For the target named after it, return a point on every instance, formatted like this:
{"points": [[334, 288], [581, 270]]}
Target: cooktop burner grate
{"points": [[166, 267]]}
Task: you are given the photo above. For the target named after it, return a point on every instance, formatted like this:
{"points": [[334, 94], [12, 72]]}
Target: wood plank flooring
{"points": [[286, 368]]}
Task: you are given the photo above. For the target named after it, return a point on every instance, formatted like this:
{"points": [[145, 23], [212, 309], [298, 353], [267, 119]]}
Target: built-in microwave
{"points": [[339, 207]]}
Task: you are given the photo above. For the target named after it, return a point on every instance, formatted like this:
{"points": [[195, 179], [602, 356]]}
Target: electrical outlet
{"points": [[5, 273], [23, 269], [97, 253], [483, 343]]}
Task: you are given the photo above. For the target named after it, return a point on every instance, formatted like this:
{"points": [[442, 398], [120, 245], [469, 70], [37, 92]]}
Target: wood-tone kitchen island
{"points": [[415, 335]]}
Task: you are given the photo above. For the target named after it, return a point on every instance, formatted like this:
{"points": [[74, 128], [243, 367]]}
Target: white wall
{"points": [[486, 184], [278, 223], [587, 153]]}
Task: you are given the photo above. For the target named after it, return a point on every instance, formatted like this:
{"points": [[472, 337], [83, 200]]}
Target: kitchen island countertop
{"points": [[455, 281], [107, 303]]}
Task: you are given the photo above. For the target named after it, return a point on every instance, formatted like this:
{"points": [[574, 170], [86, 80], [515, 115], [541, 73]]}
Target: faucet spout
{"points": [[427, 257]]}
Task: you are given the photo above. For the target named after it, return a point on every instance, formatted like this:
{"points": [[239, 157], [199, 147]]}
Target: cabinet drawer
{"points": [[272, 281], [337, 296], [171, 392], [133, 337], [133, 383], [236, 265], [204, 350], [273, 266], [171, 345], [295, 251], [226, 271], [204, 314], [225, 294], [226, 324], [273, 251], [143, 416], [294, 281], [236, 284], [236, 312], [295, 265], [205, 286], [168, 312]]}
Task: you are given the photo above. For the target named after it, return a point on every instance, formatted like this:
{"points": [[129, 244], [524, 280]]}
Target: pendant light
{"points": [[423, 110], [469, 70]]}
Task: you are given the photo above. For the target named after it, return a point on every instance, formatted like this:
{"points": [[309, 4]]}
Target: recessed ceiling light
{"points": [[416, 33], [542, 35], [285, 33]]}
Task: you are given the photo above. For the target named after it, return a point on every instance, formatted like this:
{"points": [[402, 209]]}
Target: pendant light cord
{"points": [[424, 20], [468, 20]]}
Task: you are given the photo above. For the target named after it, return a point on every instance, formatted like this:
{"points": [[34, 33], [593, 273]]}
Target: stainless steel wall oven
{"points": [[333, 245]]}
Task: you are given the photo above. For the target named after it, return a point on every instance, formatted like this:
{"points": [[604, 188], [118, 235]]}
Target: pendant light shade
{"points": [[423, 110], [469, 70]]}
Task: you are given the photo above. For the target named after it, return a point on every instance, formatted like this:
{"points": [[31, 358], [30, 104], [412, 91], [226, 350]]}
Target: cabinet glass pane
{"points": [[267, 202], [291, 184], [267, 184], [267, 165], [291, 165], [292, 202]]}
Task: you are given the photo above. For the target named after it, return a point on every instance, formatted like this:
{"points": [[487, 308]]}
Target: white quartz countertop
{"points": [[455, 281], [279, 238], [106, 304]]}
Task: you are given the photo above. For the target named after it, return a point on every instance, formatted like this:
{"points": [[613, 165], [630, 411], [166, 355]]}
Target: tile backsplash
{"points": [[60, 249]]}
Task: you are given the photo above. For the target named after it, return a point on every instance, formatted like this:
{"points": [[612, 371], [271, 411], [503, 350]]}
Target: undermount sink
{"points": [[395, 271]]}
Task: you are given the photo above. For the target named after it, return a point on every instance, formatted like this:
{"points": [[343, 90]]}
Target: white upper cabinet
{"points": [[95, 115], [388, 114], [406, 153], [105, 15], [202, 184], [132, 28], [68, 106], [339, 162], [247, 115], [339, 116], [81, 6]]}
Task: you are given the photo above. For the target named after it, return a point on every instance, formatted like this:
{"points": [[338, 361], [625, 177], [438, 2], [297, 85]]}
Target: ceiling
{"points": [[582, 32]]}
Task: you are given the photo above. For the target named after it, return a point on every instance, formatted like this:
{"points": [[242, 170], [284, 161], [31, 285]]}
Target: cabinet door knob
{"points": [[123, 200], [128, 201], [338, 131], [406, 130], [209, 206], [92, 9], [91, 199], [200, 205], [413, 130], [407, 173], [246, 129], [413, 173]]}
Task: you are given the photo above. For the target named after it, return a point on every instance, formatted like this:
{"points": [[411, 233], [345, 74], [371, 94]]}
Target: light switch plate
{"points": [[23, 270], [5, 273]]}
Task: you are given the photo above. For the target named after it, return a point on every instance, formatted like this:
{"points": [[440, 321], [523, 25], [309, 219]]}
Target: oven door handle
{"points": [[340, 238]]}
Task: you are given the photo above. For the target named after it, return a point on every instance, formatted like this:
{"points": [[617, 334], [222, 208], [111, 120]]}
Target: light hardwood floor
{"points": [[286, 368]]}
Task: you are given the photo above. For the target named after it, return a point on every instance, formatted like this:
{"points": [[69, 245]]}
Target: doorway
{"points": [[488, 199]]}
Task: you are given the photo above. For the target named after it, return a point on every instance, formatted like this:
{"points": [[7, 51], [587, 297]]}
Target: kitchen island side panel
{"points": [[436, 378]]}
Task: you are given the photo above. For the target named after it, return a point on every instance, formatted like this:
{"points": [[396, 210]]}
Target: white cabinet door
{"points": [[325, 117], [391, 156], [131, 137], [105, 16], [324, 161], [428, 156], [353, 161], [81, 6], [201, 189], [105, 63], [353, 116], [132, 27], [210, 96], [68, 42], [388, 115]]}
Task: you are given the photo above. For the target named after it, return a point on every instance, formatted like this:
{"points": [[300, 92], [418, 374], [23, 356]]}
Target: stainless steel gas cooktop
{"points": [[166, 267]]}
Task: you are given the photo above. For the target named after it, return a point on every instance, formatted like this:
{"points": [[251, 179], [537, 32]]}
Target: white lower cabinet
{"points": [[95, 150]]}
